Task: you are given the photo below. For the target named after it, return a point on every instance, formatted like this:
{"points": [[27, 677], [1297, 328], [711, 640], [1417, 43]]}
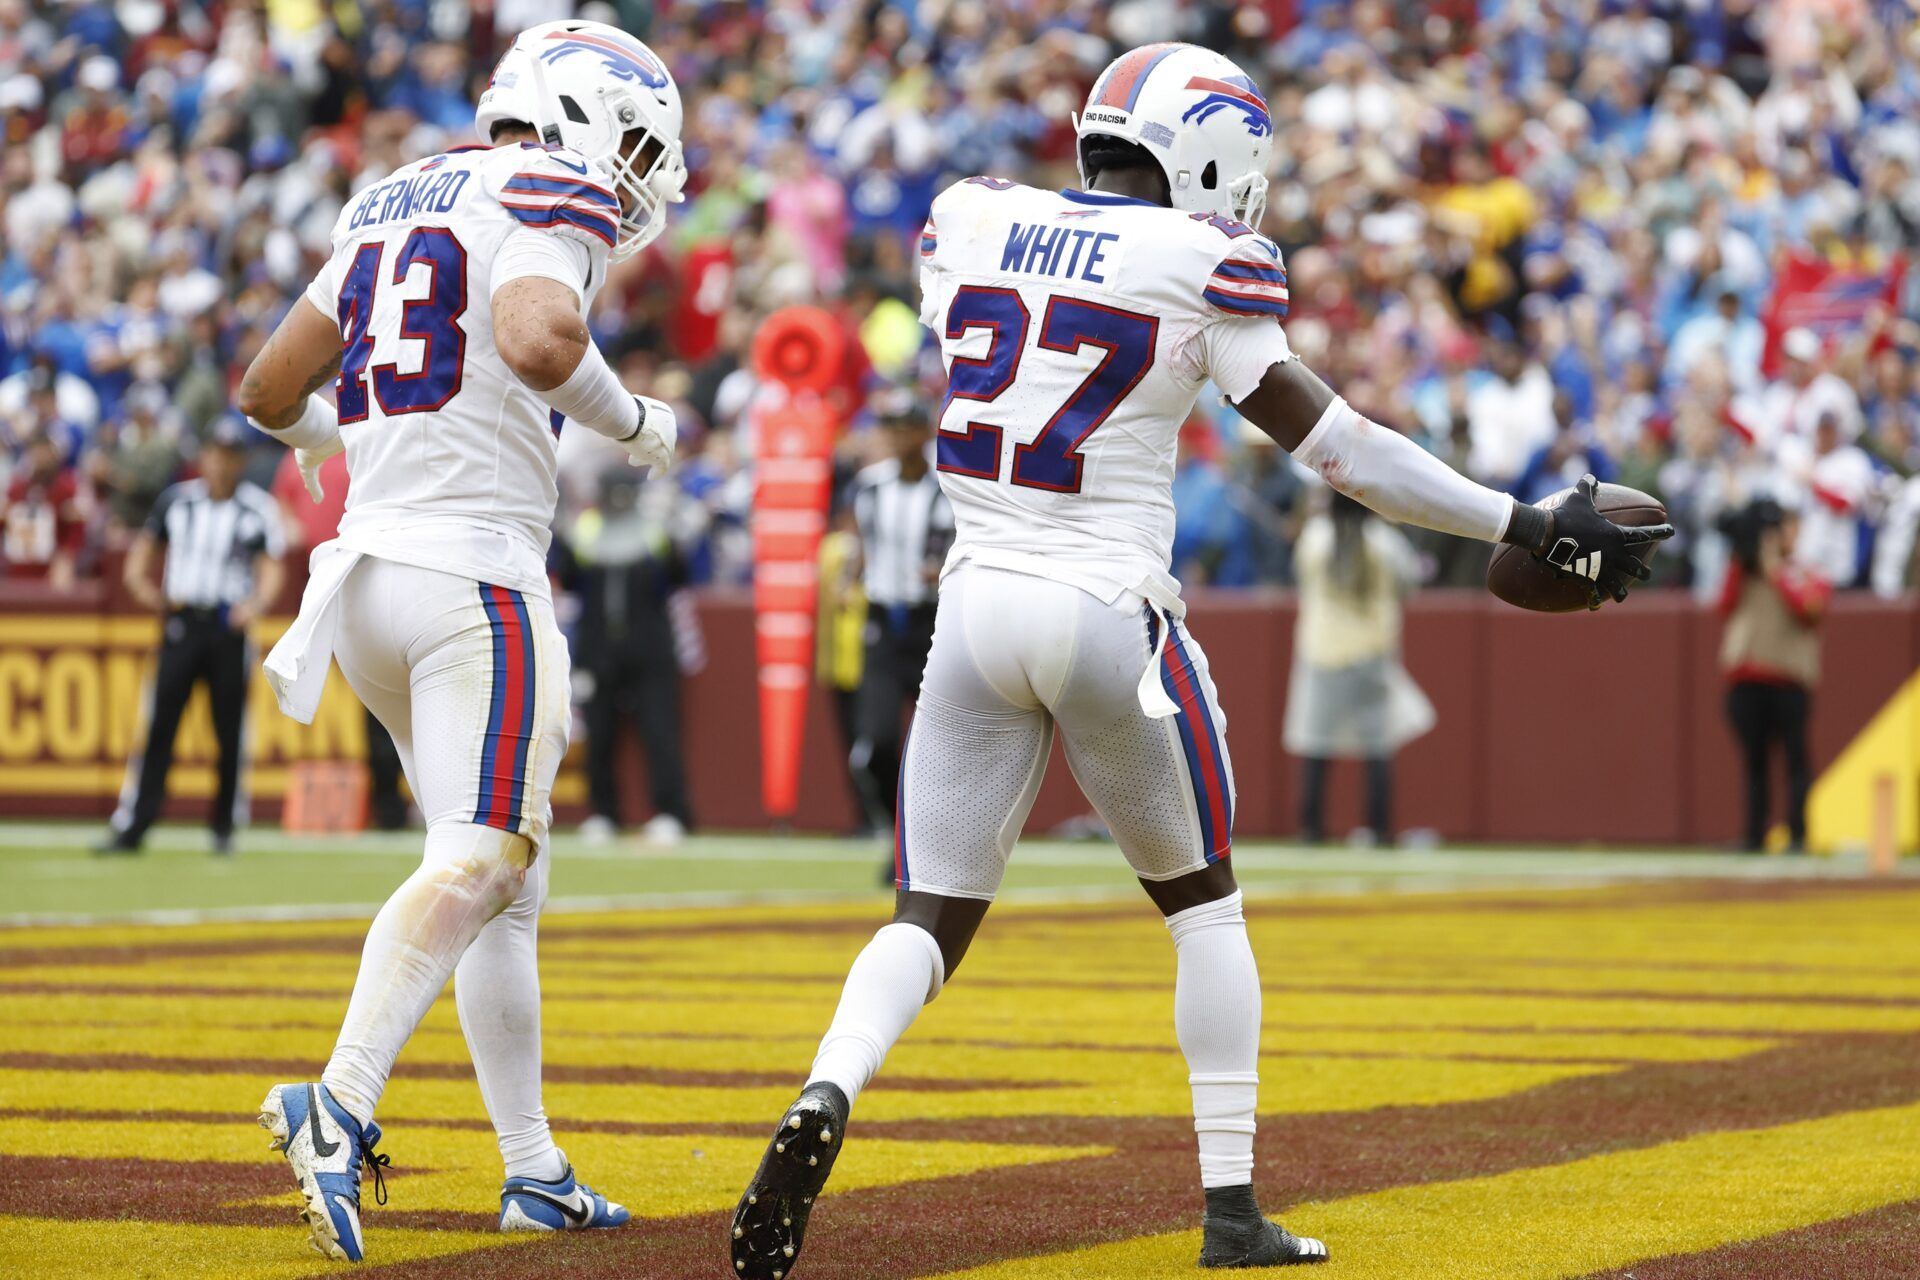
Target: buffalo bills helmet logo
{"points": [[1236, 92], [624, 59]]}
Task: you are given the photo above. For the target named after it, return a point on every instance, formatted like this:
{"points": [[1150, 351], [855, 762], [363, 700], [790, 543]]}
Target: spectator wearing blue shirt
{"points": [[1211, 542], [1737, 340], [1559, 465]]}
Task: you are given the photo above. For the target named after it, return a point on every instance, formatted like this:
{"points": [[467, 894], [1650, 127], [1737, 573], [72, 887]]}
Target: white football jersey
{"points": [[451, 458], [1078, 329]]}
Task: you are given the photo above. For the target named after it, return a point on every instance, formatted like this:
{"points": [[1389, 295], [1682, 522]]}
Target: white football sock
{"points": [[468, 876], [891, 980], [1216, 1015], [497, 990]]}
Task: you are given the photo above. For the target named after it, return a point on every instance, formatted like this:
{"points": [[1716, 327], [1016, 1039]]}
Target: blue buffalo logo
{"points": [[625, 60], [1237, 93]]}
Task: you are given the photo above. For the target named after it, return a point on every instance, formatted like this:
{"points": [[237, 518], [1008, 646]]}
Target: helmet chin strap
{"points": [[549, 130]]}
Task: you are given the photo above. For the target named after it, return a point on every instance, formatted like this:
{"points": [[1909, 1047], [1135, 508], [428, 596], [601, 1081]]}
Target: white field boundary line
{"points": [[1533, 864], [568, 905], [1273, 898]]}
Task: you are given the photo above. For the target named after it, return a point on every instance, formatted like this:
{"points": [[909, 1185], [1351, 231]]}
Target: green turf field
{"points": [[51, 877]]}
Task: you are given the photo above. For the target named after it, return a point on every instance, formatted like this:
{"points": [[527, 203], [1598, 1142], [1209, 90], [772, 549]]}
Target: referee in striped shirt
{"points": [[906, 526], [223, 542]]}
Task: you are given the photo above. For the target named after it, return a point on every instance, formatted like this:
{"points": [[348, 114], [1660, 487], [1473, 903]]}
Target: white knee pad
{"points": [[1207, 915]]}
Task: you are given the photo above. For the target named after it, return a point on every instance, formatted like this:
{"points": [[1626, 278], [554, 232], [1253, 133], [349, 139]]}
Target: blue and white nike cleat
{"points": [[328, 1150], [567, 1204]]}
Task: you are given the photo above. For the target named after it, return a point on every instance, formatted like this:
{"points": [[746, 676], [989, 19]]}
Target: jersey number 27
{"points": [[433, 321], [1053, 460]]}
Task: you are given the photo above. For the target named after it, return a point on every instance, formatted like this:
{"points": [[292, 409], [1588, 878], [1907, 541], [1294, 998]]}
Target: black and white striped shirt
{"points": [[211, 545], [905, 526]]}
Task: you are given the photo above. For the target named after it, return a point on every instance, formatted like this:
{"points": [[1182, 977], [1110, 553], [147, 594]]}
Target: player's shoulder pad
{"points": [[978, 187], [960, 204], [557, 190], [1245, 274]]}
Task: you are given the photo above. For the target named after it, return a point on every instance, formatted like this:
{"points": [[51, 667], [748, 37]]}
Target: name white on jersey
{"points": [[1078, 329]]}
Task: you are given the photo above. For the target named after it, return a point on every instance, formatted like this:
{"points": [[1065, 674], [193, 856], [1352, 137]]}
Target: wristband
{"points": [[639, 426], [317, 427], [1529, 527]]}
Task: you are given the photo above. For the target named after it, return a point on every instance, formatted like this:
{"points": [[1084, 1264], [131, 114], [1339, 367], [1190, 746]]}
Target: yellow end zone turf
{"points": [[458, 1170], [1495, 1085], [1572, 1219], [46, 1249]]}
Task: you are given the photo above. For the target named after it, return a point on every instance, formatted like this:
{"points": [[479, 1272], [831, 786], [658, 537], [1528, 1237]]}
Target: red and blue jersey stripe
{"points": [[1245, 304], [542, 200], [1241, 286], [1251, 271], [601, 228], [1200, 742], [509, 736], [542, 185], [929, 240]]}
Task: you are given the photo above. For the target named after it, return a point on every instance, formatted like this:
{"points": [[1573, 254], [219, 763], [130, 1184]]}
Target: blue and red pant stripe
{"points": [[509, 736], [1200, 741]]}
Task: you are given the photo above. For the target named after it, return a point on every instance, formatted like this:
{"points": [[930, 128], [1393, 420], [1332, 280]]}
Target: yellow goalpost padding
{"points": [[1841, 812]]}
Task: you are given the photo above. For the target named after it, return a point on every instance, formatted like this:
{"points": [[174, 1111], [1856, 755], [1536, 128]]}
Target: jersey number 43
{"points": [[1053, 460], [433, 321]]}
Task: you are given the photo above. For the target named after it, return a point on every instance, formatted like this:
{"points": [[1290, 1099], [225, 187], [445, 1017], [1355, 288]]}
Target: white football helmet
{"points": [[586, 85], [1196, 113]]}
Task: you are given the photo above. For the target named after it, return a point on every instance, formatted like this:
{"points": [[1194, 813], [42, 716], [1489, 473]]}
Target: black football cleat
{"points": [[1238, 1236], [772, 1217]]}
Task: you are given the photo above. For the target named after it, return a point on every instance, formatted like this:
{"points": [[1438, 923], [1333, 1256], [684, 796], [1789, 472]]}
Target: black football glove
{"points": [[1582, 543]]}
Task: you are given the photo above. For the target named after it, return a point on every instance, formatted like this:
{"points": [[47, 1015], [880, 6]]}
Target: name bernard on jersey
{"points": [[431, 192]]}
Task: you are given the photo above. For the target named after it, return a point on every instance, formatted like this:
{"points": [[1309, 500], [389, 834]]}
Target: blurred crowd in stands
{"points": [[1661, 240]]}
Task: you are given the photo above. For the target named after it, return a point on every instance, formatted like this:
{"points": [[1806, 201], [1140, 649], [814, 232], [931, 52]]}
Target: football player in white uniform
{"points": [[1078, 328], [453, 311]]}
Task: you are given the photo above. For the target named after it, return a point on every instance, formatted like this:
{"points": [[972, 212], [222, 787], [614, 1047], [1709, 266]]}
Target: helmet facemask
{"points": [[1248, 195], [648, 175]]}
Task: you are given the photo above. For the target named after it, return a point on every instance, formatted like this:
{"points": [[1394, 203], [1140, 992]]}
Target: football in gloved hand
{"points": [[1521, 578]]}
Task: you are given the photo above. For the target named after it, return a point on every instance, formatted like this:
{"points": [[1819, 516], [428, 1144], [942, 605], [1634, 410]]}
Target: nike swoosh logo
{"points": [[576, 1216], [580, 169], [321, 1147]]}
